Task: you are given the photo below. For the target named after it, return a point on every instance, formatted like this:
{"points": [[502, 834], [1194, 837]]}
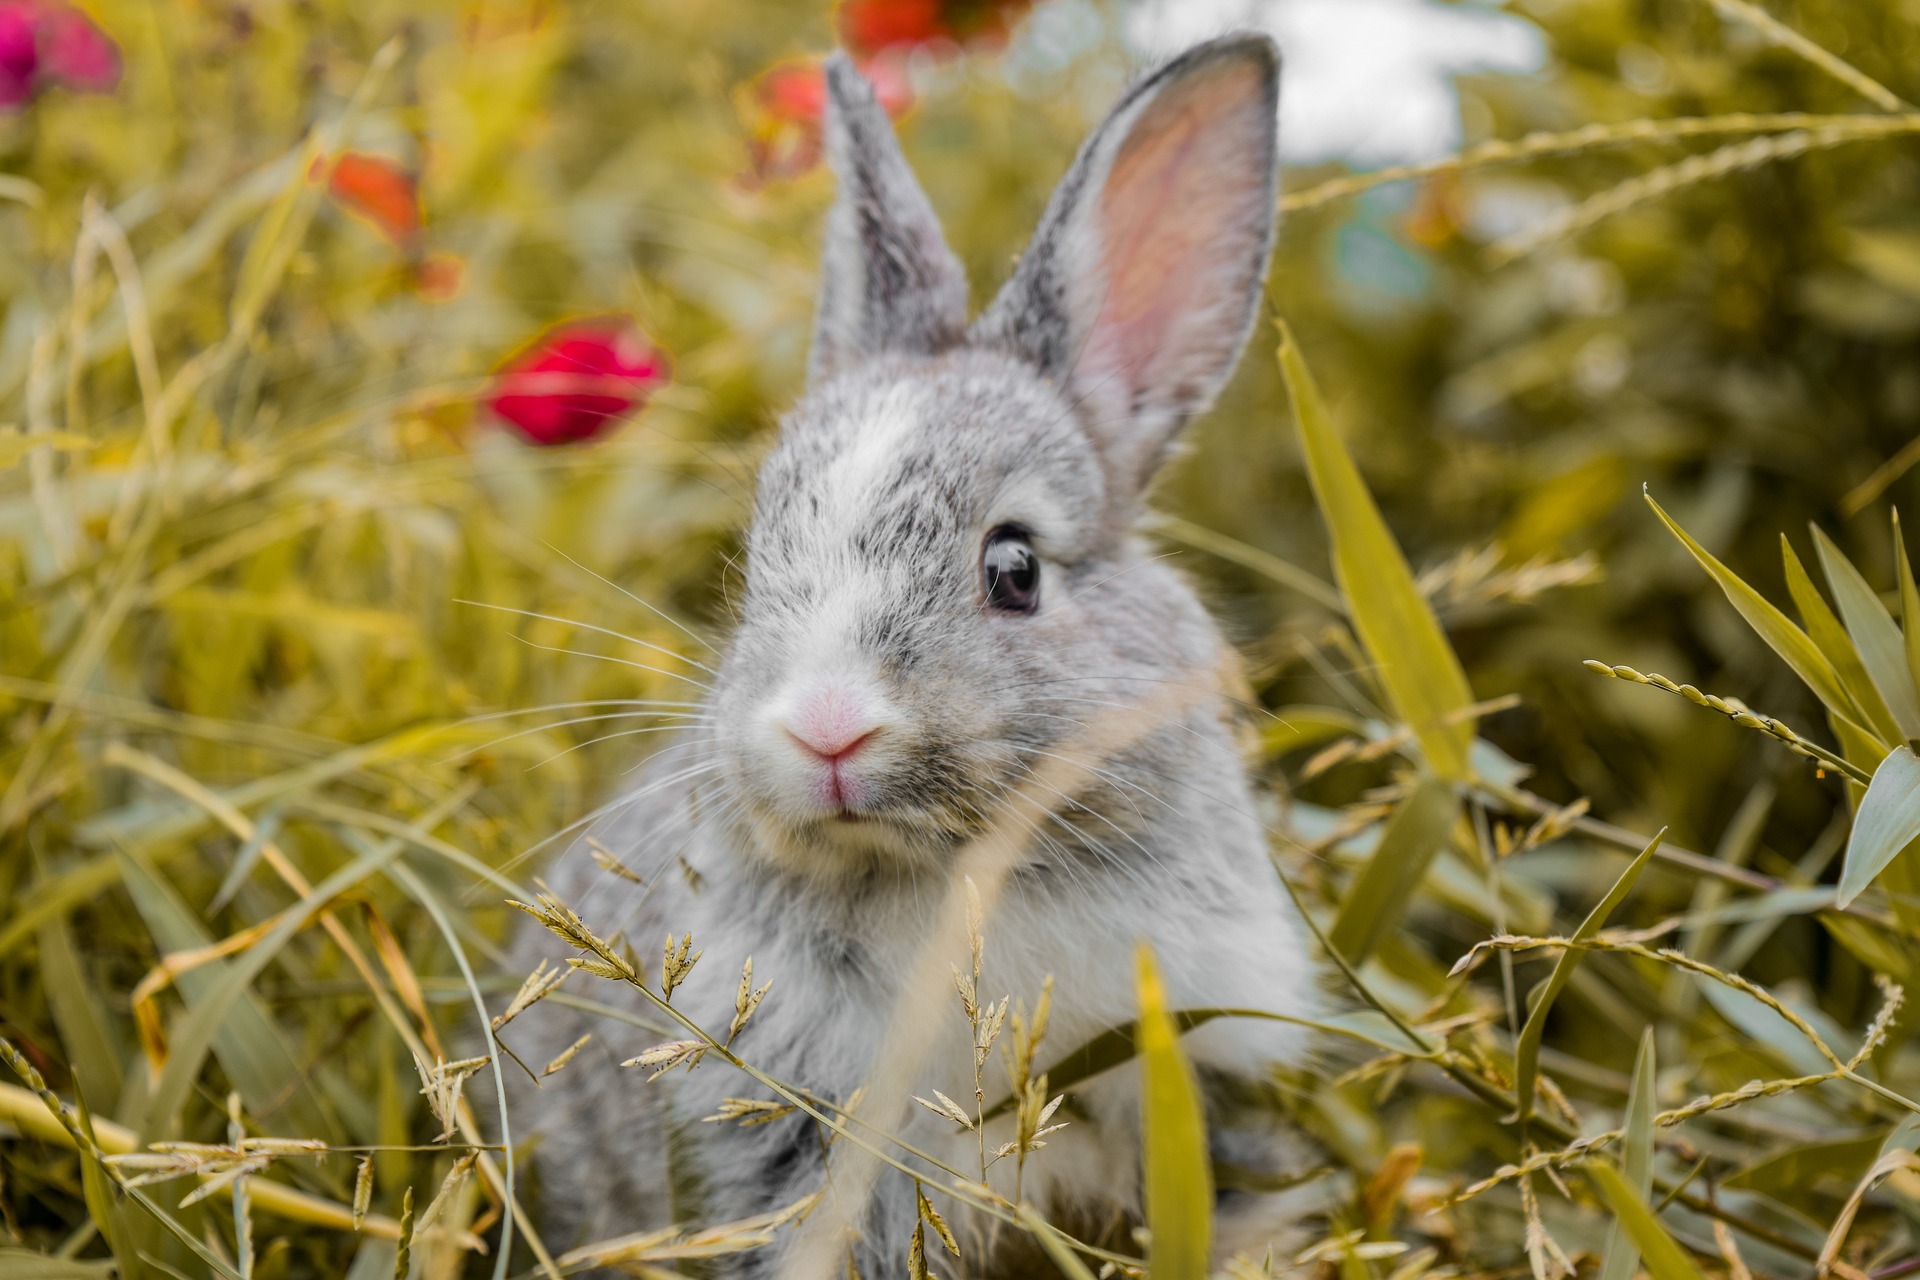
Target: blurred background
{"points": [[298, 505]]}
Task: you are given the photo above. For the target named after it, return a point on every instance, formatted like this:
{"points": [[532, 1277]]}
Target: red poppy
{"points": [[869, 26], [784, 104], [379, 190], [577, 380], [44, 43]]}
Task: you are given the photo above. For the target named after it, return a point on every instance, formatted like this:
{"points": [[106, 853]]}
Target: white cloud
{"points": [[1366, 81]]}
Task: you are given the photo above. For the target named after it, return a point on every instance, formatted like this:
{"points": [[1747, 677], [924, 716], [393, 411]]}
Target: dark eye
{"points": [[1010, 571]]}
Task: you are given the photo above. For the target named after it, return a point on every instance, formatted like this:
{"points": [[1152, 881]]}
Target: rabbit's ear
{"points": [[1142, 280], [888, 280]]}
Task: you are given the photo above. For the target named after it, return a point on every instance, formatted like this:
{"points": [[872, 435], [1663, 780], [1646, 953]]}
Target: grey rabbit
{"points": [[944, 586]]}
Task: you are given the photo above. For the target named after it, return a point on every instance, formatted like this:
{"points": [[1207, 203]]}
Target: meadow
{"points": [[1554, 514]]}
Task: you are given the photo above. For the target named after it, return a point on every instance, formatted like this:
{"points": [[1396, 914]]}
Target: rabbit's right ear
{"points": [[888, 280], [1140, 285]]}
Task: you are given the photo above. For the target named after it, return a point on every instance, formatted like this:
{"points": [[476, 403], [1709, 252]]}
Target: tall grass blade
{"points": [[1664, 1259], [1379, 896], [1415, 664], [1620, 1257], [1888, 821], [1526, 1053], [1773, 626], [1832, 640], [1882, 651], [1179, 1179]]}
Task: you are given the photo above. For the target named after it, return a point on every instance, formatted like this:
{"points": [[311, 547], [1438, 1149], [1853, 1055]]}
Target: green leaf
{"points": [[1526, 1051], [1664, 1259], [1877, 639], [1794, 1172], [206, 1019], [1888, 821], [1909, 602], [1620, 1256], [25, 1264], [1417, 667], [1295, 727], [1179, 1179], [1773, 626], [16, 445], [80, 1015], [251, 1049], [1827, 633], [1379, 896]]}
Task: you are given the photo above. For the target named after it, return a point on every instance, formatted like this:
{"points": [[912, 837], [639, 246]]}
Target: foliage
{"points": [[305, 655]]}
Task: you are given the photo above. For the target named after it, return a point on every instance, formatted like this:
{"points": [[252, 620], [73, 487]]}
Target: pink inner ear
{"points": [[1177, 224]]}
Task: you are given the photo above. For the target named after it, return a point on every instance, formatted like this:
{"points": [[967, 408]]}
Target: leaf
{"points": [[1178, 1177], [1832, 639], [1664, 1259], [1620, 1256], [1379, 895], [1526, 1052], [15, 446], [79, 1015], [1295, 727], [1773, 626], [25, 1264], [1909, 602], [1416, 666], [223, 1017], [1888, 821], [1877, 639], [1794, 1172]]}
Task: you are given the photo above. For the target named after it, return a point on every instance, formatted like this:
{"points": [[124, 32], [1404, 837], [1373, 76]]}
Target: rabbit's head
{"points": [[942, 582]]}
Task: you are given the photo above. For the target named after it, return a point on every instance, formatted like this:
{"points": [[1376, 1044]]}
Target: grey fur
{"points": [[863, 562], [888, 280]]}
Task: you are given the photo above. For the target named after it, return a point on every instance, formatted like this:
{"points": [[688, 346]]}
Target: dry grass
{"points": [[305, 662]]}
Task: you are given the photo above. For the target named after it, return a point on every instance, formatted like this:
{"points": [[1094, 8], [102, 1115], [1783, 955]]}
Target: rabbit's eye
{"points": [[1011, 571]]}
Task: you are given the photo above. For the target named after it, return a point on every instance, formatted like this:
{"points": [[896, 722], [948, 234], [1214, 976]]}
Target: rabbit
{"points": [[943, 587]]}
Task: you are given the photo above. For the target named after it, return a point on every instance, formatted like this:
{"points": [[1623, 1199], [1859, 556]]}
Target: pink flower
{"points": [[44, 42], [577, 380], [19, 56]]}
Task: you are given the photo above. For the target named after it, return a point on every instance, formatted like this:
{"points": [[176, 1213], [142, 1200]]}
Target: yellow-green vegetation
{"points": [[306, 658]]}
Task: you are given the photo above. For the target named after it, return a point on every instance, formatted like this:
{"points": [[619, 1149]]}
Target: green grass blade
{"points": [[1620, 1257], [1832, 639], [1888, 821], [1909, 602], [209, 1011], [1179, 1179], [248, 1043], [1379, 896], [1415, 664], [1526, 1052], [1773, 626], [1882, 651], [80, 1015], [1664, 1259]]}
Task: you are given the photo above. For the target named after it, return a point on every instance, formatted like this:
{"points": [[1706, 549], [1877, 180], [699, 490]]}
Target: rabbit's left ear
{"points": [[888, 281], [1143, 278]]}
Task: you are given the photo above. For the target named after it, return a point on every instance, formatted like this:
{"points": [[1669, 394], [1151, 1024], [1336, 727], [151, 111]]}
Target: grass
{"points": [[306, 661]]}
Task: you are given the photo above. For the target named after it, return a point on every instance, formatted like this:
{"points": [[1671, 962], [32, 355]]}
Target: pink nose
{"points": [[831, 725]]}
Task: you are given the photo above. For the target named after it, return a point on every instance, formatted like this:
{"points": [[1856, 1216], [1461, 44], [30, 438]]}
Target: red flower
{"points": [[869, 26], [783, 106], [380, 190], [577, 380], [43, 43]]}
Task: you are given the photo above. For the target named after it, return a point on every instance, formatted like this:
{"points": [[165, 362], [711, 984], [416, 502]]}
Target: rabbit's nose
{"points": [[832, 724]]}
